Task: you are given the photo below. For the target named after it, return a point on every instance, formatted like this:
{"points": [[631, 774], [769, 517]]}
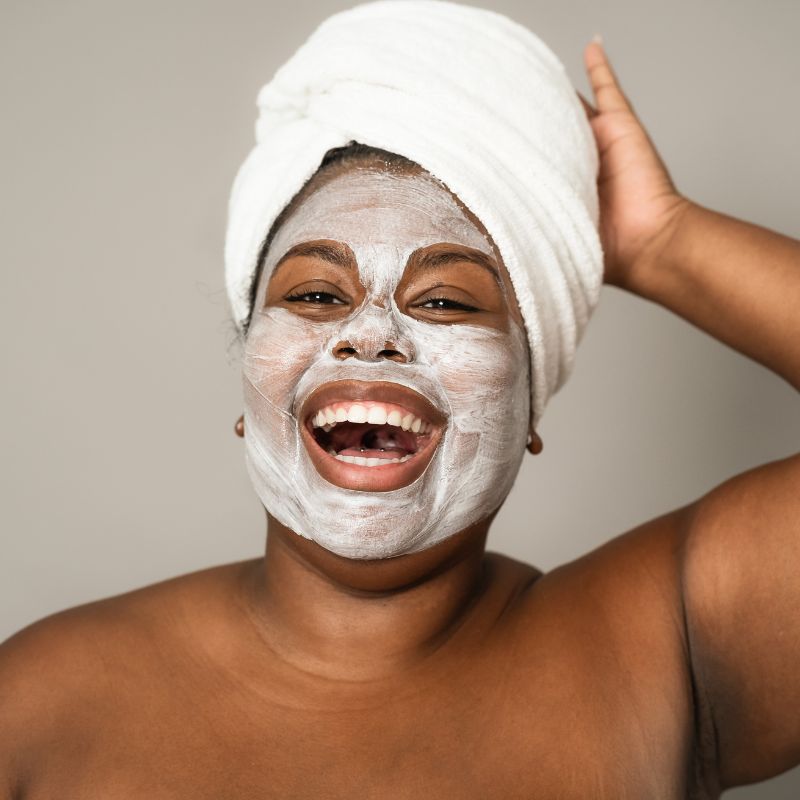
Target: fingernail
{"points": [[598, 38]]}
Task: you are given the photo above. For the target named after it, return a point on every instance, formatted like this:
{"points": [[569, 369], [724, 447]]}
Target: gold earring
{"points": [[238, 428], [535, 443]]}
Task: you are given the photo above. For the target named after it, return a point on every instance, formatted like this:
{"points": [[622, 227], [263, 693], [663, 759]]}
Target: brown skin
{"points": [[662, 665]]}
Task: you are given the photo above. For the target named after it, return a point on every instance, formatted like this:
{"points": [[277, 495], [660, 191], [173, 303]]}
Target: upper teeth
{"points": [[373, 413]]}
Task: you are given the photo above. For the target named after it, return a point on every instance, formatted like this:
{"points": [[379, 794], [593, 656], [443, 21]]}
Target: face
{"points": [[385, 369]]}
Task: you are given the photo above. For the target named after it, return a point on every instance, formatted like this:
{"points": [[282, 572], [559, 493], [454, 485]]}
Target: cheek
{"points": [[279, 349], [483, 371]]}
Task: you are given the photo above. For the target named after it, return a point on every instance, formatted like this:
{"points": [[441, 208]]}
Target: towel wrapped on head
{"points": [[483, 105]]}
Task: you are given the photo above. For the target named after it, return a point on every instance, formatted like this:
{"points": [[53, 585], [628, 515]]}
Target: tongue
{"points": [[379, 442]]}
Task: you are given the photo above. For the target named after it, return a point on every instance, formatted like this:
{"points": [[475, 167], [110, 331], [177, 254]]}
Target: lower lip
{"points": [[379, 478]]}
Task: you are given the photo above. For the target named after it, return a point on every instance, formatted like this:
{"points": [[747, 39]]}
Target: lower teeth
{"points": [[370, 462]]}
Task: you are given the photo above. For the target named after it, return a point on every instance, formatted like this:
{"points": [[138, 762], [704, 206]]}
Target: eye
{"points": [[446, 304], [315, 298]]}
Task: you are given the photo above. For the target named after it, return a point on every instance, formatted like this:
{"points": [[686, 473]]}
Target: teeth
{"points": [[376, 416], [327, 418], [372, 462], [357, 414]]}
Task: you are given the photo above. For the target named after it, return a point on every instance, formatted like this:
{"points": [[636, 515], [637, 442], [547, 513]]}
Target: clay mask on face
{"points": [[476, 376]]}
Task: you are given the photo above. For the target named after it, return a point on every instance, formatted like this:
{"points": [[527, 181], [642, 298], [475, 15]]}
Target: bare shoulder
{"points": [[620, 605], [642, 563], [54, 670], [676, 565]]}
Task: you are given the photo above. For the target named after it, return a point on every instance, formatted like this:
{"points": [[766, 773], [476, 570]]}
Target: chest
{"points": [[559, 725]]}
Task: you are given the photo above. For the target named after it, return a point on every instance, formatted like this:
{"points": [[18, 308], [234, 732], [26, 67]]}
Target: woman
{"points": [[377, 650]]}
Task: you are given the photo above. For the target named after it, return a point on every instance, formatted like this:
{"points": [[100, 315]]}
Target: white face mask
{"points": [[475, 376]]}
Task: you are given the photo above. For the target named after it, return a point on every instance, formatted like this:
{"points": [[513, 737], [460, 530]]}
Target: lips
{"points": [[370, 435]]}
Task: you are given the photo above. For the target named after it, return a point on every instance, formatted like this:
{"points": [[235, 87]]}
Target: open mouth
{"points": [[370, 434], [381, 437]]}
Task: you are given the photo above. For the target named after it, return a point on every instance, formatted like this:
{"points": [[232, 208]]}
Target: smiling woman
{"points": [[382, 300], [403, 325]]}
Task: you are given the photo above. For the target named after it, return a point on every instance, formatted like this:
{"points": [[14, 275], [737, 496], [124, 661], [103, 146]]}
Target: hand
{"points": [[639, 204]]}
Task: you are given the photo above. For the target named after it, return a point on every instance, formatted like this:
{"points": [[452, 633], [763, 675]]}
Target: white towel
{"points": [[477, 100]]}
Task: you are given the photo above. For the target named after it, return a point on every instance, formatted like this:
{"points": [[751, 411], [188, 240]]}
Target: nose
{"points": [[374, 334], [401, 353]]}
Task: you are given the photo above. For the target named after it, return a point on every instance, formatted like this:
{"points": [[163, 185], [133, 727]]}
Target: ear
{"points": [[239, 427]]}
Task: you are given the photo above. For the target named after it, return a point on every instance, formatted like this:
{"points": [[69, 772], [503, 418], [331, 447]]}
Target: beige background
{"points": [[124, 123]]}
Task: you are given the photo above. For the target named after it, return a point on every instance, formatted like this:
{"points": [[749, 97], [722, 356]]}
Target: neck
{"points": [[362, 620]]}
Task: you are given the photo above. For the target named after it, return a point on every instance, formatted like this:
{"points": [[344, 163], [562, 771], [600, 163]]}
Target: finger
{"points": [[607, 91], [590, 110]]}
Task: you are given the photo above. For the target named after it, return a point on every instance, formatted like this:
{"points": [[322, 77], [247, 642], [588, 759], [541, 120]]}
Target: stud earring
{"points": [[238, 428], [535, 443]]}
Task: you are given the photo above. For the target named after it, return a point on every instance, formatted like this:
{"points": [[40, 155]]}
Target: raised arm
{"points": [[741, 559]]}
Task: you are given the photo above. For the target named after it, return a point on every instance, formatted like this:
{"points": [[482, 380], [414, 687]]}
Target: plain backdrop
{"points": [[123, 126]]}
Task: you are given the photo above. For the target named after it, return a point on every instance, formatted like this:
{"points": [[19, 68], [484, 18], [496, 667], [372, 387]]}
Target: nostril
{"points": [[344, 350], [393, 355]]}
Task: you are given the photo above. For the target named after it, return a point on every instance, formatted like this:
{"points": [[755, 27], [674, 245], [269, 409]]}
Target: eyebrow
{"points": [[325, 252], [438, 258], [430, 260]]}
